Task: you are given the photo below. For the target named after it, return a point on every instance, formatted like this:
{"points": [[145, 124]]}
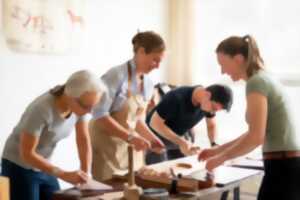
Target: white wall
{"points": [[110, 27], [275, 27]]}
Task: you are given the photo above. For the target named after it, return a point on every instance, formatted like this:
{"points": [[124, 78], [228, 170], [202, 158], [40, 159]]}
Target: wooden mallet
{"points": [[131, 190]]}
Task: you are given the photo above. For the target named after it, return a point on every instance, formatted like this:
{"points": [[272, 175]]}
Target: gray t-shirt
{"points": [[281, 133], [42, 120]]}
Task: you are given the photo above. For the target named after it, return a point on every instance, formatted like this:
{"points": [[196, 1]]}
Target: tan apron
{"points": [[110, 153]]}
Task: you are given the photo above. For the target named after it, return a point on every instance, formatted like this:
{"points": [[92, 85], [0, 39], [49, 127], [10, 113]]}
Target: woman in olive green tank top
{"points": [[269, 120]]}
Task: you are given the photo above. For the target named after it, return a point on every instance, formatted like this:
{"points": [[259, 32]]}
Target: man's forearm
{"points": [[167, 133], [158, 124], [212, 136], [211, 130]]}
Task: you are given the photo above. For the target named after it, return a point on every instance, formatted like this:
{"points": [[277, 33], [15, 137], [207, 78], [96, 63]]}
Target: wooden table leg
{"points": [[225, 195]]}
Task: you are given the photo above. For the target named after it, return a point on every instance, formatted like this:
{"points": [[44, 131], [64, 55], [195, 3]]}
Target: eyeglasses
{"points": [[83, 106]]}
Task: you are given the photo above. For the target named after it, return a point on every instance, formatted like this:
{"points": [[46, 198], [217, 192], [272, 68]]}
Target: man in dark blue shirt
{"points": [[182, 108]]}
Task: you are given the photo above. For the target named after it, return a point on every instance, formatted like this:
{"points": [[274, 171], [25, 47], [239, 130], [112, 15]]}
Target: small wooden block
{"points": [[132, 192]]}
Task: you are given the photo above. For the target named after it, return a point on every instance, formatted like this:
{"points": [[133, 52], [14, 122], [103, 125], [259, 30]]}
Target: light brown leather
{"points": [[280, 155]]}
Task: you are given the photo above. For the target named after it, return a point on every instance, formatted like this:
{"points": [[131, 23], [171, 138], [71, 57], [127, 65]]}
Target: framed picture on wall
{"points": [[43, 26]]}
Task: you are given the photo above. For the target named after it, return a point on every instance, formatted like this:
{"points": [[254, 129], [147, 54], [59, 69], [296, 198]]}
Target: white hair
{"points": [[83, 81]]}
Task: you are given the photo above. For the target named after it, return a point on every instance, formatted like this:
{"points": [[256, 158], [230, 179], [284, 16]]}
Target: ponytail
{"points": [[254, 60]]}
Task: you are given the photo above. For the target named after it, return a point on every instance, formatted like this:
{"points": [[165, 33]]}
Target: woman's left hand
{"points": [[214, 162]]}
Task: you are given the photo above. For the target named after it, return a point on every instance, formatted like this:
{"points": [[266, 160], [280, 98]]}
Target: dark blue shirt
{"points": [[178, 111]]}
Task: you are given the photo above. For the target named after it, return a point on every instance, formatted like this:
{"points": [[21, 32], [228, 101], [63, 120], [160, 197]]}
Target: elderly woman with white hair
{"points": [[47, 120]]}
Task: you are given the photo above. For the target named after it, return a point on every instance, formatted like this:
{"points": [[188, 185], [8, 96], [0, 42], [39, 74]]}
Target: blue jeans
{"points": [[28, 184]]}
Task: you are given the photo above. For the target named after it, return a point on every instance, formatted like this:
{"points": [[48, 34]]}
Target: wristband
{"points": [[213, 144], [129, 138]]}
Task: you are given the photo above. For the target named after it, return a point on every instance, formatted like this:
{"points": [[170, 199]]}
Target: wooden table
{"points": [[201, 194], [247, 163], [226, 178]]}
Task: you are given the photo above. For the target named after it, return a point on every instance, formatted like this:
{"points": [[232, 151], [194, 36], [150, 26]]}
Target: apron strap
{"points": [[129, 92], [129, 79]]}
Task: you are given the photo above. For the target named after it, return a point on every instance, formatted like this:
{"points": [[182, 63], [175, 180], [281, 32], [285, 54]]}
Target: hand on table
{"points": [[74, 177], [188, 149], [208, 153], [214, 162], [157, 146]]}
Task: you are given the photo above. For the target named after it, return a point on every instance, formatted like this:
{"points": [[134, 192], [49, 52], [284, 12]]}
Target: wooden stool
{"points": [[4, 188]]}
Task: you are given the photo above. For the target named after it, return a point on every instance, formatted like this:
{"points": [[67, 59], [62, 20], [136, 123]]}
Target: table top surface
{"points": [[225, 178]]}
